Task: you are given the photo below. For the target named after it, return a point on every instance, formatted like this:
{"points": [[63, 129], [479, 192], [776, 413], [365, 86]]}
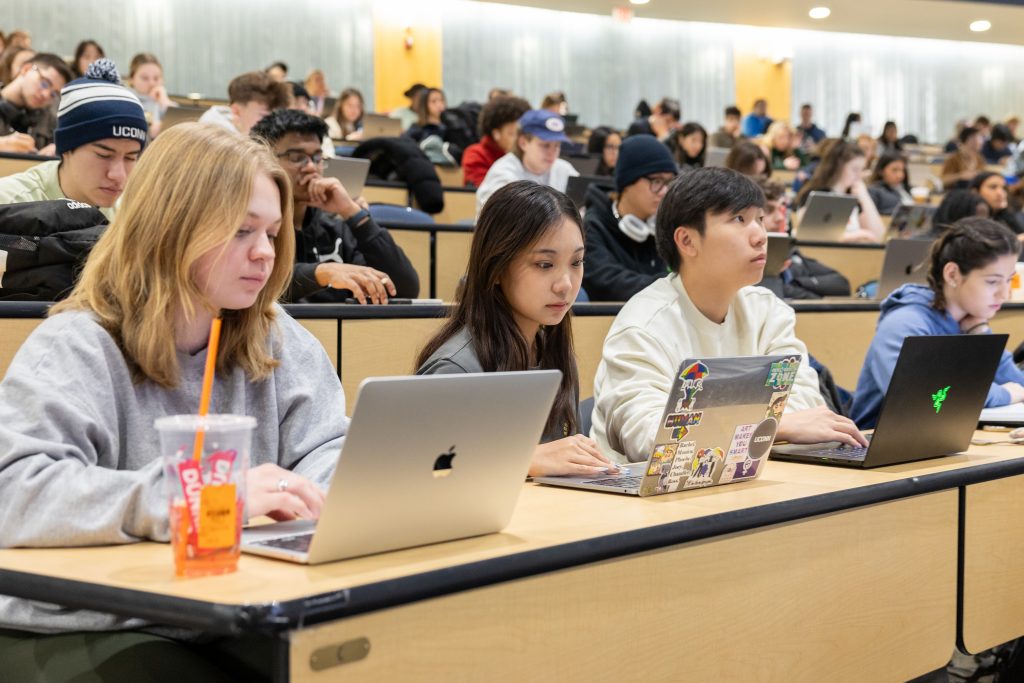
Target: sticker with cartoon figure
{"points": [[702, 469], [692, 382], [777, 405], [740, 444], [662, 459], [680, 467], [782, 374]]}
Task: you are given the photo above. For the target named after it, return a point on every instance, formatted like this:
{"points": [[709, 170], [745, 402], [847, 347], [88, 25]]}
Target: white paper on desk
{"points": [[1006, 415]]}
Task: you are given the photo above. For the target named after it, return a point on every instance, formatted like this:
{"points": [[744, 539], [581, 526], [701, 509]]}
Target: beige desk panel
{"points": [[326, 332], [839, 339], [458, 206], [993, 600], [452, 258], [12, 166], [785, 603], [451, 176], [398, 196], [416, 245], [588, 333], [1010, 322], [15, 332], [857, 265], [381, 348]]}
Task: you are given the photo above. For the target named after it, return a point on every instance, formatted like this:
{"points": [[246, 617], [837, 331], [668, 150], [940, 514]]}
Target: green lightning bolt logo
{"points": [[938, 398]]}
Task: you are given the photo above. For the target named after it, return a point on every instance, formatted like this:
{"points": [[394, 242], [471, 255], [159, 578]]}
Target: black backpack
{"points": [[43, 246]]}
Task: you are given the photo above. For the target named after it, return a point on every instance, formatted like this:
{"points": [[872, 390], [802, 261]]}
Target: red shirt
{"points": [[477, 160]]}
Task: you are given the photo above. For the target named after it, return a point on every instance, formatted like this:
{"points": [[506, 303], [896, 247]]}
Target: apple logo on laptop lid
{"points": [[443, 463]]}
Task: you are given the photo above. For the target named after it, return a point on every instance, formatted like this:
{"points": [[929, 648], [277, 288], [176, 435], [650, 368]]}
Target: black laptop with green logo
{"points": [[931, 408]]}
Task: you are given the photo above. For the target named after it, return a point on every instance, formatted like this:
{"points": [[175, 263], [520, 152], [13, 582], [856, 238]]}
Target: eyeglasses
{"points": [[300, 159], [44, 82], [659, 185]]}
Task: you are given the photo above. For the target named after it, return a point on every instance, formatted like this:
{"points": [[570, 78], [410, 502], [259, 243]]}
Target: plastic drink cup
{"points": [[206, 496], [1017, 283], [920, 194]]}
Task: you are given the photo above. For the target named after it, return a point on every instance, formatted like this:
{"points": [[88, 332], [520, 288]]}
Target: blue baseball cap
{"points": [[543, 124]]}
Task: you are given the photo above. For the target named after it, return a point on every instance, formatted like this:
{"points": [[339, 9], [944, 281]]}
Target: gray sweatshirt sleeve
{"points": [[60, 443], [311, 404]]}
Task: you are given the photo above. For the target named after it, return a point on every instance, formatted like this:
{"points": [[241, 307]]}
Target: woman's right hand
{"points": [[264, 495], [817, 425], [574, 455]]}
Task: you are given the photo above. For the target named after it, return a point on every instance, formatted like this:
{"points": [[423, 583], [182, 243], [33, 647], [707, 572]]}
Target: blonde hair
{"points": [[774, 130], [187, 196]]}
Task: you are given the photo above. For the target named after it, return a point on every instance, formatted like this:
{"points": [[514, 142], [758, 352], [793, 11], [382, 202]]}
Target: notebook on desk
{"points": [[930, 409], [718, 424], [1010, 416], [425, 460]]}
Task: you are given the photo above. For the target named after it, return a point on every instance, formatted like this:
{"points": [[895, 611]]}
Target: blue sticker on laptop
{"points": [[782, 374]]}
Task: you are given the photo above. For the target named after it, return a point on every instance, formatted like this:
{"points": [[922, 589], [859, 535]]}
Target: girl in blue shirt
{"points": [[969, 272]]}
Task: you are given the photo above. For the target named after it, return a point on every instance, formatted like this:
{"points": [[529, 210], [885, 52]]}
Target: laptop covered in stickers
{"points": [[717, 427]]}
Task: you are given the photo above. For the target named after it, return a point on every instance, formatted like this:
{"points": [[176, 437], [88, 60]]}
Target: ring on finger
{"points": [[385, 280], [282, 485]]}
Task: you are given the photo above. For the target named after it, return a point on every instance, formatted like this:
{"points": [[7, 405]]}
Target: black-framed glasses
{"points": [[659, 185], [300, 159], [44, 82]]}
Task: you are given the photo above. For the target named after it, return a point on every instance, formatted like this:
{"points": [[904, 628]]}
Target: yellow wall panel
{"points": [[758, 77], [397, 67]]}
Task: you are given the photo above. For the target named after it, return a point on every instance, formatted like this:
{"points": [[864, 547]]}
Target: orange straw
{"points": [[204, 398]]}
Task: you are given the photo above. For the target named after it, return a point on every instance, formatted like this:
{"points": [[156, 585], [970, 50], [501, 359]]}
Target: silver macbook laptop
{"points": [[351, 172], [911, 219], [427, 459], [825, 217], [714, 157], [717, 428], [904, 262], [380, 126], [175, 115]]}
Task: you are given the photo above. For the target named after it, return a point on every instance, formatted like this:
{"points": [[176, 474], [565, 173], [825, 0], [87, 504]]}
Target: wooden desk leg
{"points": [[993, 564], [862, 595]]}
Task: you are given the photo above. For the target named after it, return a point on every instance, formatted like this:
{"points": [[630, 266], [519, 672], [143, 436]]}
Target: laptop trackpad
{"points": [[262, 532]]}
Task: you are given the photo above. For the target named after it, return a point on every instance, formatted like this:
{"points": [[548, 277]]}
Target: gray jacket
{"points": [[79, 456]]}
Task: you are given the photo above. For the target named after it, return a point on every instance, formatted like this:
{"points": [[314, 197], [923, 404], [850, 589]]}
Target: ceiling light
{"points": [[981, 25], [639, 2], [819, 13]]}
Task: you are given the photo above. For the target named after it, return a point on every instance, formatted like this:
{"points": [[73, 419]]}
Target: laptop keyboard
{"points": [[298, 543], [626, 482], [840, 452]]}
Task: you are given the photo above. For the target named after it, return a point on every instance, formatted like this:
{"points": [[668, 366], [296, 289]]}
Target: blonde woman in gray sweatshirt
{"points": [[203, 230]]}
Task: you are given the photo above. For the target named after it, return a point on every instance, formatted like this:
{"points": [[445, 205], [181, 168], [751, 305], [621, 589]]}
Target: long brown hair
{"points": [[512, 221], [829, 169], [186, 197], [348, 127], [970, 243]]}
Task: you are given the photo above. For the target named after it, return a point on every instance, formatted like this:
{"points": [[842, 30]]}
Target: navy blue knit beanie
{"points": [[97, 107], [639, 156]]}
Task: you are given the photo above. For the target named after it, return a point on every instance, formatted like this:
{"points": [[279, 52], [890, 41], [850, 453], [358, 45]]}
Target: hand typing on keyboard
{"points": [[816, 425], [574, 456]]}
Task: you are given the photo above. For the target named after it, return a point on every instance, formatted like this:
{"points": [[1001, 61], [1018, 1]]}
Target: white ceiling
{"points": [[920, 18]]}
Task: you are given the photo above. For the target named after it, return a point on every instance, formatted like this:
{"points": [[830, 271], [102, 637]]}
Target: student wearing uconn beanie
{"points": [[622, 257], [101, 130]]}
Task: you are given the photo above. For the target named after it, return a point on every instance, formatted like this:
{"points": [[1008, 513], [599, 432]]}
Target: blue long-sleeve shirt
{"points": [[904, 313]]}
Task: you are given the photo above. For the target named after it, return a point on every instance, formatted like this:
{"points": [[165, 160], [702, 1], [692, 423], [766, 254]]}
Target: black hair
{"points": [[280, 65], [692, 196], [668, 106], [979, 180], [851, 118], [970, 243], [80, 50], [595, 145], [733, 110], [280, 122], [298, 90], [966, 134], [955, 205], [675, 145], [54, 62], [499, 111], [1001, 133], [743, 157]]}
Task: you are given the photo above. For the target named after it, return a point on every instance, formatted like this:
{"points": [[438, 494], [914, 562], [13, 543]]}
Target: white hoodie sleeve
{"points": [[778, 337]]}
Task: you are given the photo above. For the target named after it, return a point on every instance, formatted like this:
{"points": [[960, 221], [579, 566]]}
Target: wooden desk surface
{"points": [[551, 529]]}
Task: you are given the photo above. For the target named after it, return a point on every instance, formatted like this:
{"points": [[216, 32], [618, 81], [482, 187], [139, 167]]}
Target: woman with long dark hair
{"points": [[992, 188], [688, 145], [841, 171], [525, 269], [889, 185], [605, 141]]}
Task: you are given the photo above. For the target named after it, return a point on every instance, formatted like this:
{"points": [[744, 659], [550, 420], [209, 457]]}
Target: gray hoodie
{"points": [[79, 456]]}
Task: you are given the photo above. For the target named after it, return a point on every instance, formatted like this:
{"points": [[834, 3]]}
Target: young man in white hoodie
{"points": [[709, 231], [251, 96]]}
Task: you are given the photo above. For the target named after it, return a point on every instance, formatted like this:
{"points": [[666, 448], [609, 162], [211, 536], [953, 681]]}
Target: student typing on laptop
{"points": [[969, 273], [525, 269], [710, 233], [203, 229]]}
